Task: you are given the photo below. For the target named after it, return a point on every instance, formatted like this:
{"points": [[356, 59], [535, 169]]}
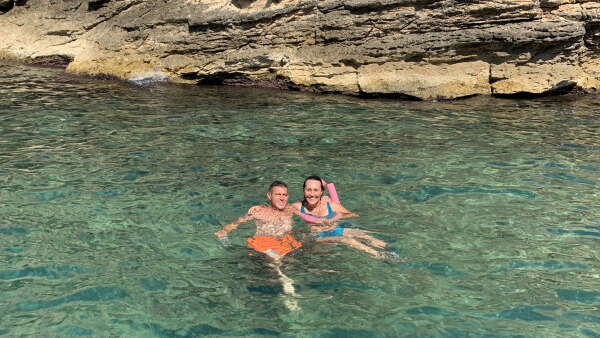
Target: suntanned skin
{"points": [[316, 204], [274, 219], [268, 220]]}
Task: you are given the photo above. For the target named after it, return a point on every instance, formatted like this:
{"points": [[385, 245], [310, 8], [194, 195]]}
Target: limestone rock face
{"points": [[426, 81], [425, 49]]}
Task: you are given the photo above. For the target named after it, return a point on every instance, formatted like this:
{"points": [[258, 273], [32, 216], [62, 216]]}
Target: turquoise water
{"points": [[110, 194]]}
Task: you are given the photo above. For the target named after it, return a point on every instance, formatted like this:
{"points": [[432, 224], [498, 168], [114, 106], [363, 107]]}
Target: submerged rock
{"points": [[427, 49]]}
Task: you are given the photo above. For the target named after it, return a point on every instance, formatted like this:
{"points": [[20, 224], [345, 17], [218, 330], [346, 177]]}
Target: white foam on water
{"points": [[149, 78]]}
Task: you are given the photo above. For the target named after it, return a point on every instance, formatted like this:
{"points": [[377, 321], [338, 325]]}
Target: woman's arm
{"points": [[341, 211]]}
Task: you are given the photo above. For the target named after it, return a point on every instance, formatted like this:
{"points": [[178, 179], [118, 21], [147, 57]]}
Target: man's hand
{"points": [[333, 220], [220, 234]]}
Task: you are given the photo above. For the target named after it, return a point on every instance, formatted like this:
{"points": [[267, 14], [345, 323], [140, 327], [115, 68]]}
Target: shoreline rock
{"points": [[421, 50]]}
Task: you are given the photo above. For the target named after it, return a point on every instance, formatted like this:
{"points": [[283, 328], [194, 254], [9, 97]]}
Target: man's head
{"points": [[278, 195]]}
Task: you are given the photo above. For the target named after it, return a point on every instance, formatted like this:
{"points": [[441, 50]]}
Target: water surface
{"points": [[110, 194]]}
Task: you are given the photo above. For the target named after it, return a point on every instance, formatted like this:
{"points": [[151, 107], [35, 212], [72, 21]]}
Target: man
{"points": [[272, 237], [273, 224]]}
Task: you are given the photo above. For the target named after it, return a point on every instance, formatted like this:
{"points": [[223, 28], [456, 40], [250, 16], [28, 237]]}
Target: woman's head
{"points": [[314, 178], [313, 190]]}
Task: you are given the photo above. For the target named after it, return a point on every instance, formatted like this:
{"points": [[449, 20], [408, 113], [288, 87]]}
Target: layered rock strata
{"points": [[421, 49]]}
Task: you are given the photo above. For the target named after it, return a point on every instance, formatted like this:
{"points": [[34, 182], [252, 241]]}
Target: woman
{"points": [[327, 213]]}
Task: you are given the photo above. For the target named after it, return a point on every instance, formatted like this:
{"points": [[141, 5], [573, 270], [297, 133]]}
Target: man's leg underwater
{"points": [[288, 286]]}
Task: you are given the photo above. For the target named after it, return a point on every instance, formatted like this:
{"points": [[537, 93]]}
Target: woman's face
{"points": [[312, 192]]}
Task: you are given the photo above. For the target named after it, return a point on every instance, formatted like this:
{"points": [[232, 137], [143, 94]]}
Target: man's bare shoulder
{"points": [[255, 210]]}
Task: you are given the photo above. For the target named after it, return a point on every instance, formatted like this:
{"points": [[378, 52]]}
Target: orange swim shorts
{"points": [[281, 246]]}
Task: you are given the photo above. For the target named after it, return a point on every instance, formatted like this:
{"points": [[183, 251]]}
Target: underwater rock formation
{"points": [[418, 49]]}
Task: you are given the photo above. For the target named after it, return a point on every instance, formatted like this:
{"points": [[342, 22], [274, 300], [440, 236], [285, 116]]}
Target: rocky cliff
{"points": [[423, 49]]}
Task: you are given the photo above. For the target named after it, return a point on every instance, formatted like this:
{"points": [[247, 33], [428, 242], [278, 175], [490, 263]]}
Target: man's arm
{"points": [[233, 225]]}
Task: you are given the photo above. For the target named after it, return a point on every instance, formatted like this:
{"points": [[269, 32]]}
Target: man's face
{"points": [[278, 197]]}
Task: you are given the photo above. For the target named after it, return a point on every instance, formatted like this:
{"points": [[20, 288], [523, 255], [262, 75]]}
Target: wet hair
{"points": [[315, 178], [277, 184]]}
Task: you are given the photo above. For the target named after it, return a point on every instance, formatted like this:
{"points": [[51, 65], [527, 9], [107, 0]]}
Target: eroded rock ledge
{"points": [[421, 49]]}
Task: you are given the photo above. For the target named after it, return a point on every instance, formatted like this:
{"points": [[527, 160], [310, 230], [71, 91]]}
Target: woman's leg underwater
{"points": [[349, 241], [389, 257], [362, 235]]}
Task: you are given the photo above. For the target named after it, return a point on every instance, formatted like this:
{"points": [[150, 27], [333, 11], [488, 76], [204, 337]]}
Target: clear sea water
{"points": [[111, 191]]}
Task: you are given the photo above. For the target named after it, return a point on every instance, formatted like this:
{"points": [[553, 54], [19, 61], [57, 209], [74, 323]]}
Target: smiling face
{"points": [[278, 196], [313, 190]]}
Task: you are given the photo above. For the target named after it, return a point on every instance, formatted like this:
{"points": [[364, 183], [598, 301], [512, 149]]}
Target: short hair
{"points": [[277, 184], [313, 177]]}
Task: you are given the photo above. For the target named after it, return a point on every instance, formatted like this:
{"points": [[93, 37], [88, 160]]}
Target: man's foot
{"points": [[390, 257]]}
